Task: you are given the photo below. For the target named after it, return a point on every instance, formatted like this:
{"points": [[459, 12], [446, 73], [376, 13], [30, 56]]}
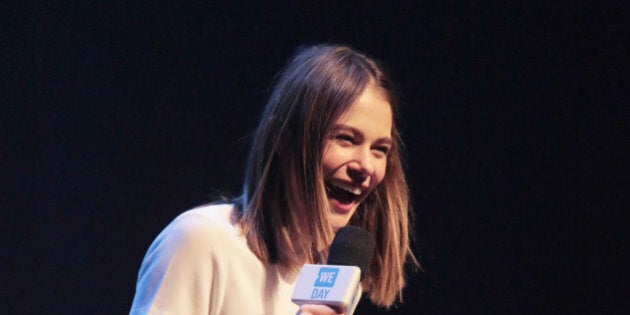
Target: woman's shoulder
{"points": [[215, 214], [208, 223]]}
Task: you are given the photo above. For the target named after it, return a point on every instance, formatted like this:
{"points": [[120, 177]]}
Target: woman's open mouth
{"points": [[343, 196]]}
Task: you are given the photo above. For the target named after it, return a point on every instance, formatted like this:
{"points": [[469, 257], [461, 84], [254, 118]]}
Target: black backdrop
{"points": [[118, 116]]}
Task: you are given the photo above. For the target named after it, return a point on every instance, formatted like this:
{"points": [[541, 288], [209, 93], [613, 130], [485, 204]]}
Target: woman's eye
{"points": [[383, 149], [344, 138]]}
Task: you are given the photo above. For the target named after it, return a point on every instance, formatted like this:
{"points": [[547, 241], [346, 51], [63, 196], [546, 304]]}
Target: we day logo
{"points": [[325, 279]]}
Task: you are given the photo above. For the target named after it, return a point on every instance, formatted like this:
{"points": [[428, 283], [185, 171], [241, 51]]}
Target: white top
{"points": [[200, 264]]}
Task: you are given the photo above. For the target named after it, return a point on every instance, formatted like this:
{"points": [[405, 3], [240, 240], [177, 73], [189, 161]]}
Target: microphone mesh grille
{"points": [[352, 246]]}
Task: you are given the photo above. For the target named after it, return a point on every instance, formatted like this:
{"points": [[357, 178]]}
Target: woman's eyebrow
{"points": [[385, 140], [344, 127]]}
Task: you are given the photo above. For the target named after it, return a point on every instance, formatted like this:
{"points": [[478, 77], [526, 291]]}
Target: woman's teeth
{"points": [[353, 190]]}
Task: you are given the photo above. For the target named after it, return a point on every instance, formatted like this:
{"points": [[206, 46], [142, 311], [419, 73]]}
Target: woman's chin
{"points": [[338, 225], [339, 219]]}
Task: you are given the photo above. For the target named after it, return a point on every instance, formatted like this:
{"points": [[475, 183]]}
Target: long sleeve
{"points": [[201, 264], [180, 273]]}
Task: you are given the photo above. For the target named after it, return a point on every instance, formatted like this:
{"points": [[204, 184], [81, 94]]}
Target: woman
{"points": [[325, 155]]}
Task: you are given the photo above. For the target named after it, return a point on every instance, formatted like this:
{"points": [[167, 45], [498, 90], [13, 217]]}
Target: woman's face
{"points": [[355, 155]]}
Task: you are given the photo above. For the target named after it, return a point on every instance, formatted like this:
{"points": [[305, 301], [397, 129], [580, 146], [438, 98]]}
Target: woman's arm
{"points": [[177, 274]]}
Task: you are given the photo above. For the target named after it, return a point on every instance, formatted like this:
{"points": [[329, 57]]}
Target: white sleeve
{"points": [[181, 273]]}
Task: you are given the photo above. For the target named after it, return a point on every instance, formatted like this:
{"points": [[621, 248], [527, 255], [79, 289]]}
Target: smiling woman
{"points": [[355, 155], [326, 154]]}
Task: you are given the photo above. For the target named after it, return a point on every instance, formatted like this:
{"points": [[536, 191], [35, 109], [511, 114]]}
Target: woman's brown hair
{"points": [[283, 210]]}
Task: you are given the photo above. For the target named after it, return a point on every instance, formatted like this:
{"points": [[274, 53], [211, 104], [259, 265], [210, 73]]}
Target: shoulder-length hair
{"points": [[283, 210]]}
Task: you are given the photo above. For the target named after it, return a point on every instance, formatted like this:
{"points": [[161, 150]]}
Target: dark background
{"points": [[118, 116]]}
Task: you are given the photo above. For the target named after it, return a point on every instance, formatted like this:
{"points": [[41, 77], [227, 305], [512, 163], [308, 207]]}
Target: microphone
{"points": [[337, 284]]}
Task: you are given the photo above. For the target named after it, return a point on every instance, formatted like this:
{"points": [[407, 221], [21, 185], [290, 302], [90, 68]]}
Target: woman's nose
{"points": [[362, 165]]}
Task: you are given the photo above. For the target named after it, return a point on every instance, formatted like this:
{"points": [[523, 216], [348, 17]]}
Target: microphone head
{"points": [[352, 246]]}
